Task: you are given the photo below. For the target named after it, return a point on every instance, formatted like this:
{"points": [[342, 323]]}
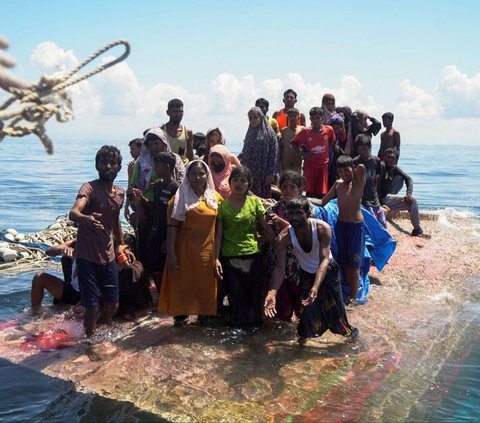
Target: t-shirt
{"points": [[274, 124], [282, 119], [93, 244], [373, 168], [317, 143], [163, 193], [239, 227]]}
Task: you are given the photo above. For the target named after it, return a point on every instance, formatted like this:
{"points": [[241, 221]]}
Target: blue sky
{"points": [[418, 59]]}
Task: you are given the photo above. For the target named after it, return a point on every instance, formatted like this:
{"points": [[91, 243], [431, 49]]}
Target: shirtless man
{"points": [[320, 291], [289, 99], [390, 138], [349, 229], [179, 137]]}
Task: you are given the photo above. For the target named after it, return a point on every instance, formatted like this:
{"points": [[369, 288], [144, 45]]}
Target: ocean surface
{"points": [[36, 188]]}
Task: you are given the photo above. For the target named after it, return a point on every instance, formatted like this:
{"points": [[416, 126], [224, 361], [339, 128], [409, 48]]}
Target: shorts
{"points": [[94, 278], [317, 179], [351, 243], [69, 295]]}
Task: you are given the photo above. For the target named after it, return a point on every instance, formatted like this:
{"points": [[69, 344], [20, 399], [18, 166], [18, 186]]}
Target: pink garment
{"points": [[221, 178]]}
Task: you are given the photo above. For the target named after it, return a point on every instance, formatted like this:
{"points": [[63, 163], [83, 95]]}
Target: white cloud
{"points": [[48, 57], [415, 103]]}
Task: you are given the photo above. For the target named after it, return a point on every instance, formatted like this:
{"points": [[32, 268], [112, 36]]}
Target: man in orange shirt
{"points": [[289, 100]]}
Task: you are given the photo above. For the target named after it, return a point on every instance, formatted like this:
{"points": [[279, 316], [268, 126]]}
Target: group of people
{"points": [[232, 237]]}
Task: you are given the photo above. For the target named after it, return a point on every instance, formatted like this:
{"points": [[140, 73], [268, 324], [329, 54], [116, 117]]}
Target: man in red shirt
{"points": [[315, 143]]}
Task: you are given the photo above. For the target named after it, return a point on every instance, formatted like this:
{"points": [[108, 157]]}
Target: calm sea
{"points": [[36, 188]]}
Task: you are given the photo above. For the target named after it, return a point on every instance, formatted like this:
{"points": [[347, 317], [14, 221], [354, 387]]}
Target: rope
{"points": [[47, 98]]}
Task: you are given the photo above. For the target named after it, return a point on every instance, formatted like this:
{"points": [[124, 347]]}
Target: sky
{"points": [[417, 59]]}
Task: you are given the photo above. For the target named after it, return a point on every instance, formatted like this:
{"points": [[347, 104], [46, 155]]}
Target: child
{"points": [[390, 138], [349, 229], [164, 189], [315, 142], [290, 157], [238, 259], [373, 170]]}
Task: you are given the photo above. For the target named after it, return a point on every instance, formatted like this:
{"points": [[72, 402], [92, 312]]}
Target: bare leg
{"points": [[90, 321], [46, 281], [107, 312], [352, 277]]}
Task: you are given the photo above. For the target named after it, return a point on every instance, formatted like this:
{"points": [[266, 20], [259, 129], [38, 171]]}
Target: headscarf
{"points": [[145, 161], [186, 199], [262, 131], [336, 118], [221, 179], [327, 114]]}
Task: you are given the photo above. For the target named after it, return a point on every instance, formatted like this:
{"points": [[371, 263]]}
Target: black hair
{"points": [[166, 158], [392, 151], [293, 110], [242, 171], [293, 177], [388, 115], [174, 103], [316, 111], [344, 161], [151, 137], [262, 102], [362, 139], [300, 203], [137, 141], [197, 163], [108, 152], [290, 91]]}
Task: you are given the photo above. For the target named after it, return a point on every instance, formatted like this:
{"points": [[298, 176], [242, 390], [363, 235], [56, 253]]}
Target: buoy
{"points": [[11, 231], [55, 226], [8, 255], [4, 245], [9, 237], [19, 237]]}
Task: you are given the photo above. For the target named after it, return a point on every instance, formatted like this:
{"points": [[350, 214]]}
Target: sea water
{"points": [[36, 188]]}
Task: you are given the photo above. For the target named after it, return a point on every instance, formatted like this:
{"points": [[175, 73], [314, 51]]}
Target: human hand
{"points": [[93, 222], [172, 262], [130, 255], [7, 80], [136, 195], [270, 302], [312, 296], [67, 251], [408, 199], [218, 269]]}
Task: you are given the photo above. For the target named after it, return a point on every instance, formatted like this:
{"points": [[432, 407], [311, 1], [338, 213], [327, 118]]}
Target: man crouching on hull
{"points": [[319, 283], [96, 210]]}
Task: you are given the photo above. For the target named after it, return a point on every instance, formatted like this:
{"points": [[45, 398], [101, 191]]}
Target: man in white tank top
{"points": [[319, 290]]}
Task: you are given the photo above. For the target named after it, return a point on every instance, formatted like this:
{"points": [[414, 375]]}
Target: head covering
{"points": [[221, 179], [186, 199], [262, 131], [146, 160], [336, 118], [360, 127], [327, 114]]}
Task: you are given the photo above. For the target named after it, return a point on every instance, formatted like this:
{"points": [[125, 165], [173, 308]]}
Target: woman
{"points": [[189, 284], [220, 163], [328, 107], [260, 153], [215, 137], [238, 259]]}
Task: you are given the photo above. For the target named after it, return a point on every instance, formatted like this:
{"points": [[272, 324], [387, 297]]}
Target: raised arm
{"points": [[65, 248]]}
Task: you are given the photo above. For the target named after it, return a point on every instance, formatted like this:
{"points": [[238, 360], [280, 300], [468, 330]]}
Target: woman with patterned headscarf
{"points": [[260, 153]]}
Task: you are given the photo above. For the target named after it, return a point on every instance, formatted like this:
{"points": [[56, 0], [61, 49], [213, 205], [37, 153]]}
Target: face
{"points": [[363, 151], [263, 108], [155, 146], [296, 217], [198, 177], [197, 142], [316, 121], [345, 173], [390, 160], [214, 139], [254, 119], [108, 169], [289, 190], [386, 121], [330, 104], [289, 100], [216, 163], [239, 185], [292, 117], [135, 150], [175, 114], [161, 170]]}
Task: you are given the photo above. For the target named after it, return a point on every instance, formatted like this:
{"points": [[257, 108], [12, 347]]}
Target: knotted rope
{"points": [[40, 101]]}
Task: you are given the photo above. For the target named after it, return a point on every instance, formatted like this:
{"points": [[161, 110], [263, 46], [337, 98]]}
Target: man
{"points": [[264, 104], [96, 211], [387, 191], [390, 138], [179, 137], [289, 100], [319, 290]]}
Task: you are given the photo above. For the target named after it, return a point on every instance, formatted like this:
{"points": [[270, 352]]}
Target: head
{"points": [[214, 137], [135, 147], [328, 101], [336, 122], [362, 117], [363, 146], [298, 211], [198, 140], [387, 119], [289, 98], [216, 162], [240, 180], [345, 168], [197, 175], [293, 115], [263, 104], [175, 111], [391, 157], [345, 112], [316, 117], [108, 163], [291, 185], [164, 164], [154, 143], [255, 116]]}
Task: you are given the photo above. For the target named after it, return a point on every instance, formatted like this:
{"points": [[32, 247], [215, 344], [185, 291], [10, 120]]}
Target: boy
{"points": [[373, 170], [315, 143], [290, 157], [349, 229], [390, 138], [164, 189]]}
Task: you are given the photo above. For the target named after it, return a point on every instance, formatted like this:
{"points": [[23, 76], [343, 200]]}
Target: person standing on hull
{"points": [[320, 289], [390, 138], [179, 137], [289, 100], [96, 211]]}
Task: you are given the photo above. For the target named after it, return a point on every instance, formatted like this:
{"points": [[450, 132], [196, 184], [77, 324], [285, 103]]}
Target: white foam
{"points": [[443, 296]]}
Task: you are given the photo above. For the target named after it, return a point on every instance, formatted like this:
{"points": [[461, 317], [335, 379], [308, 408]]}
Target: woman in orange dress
{"points": [[189, 286]]}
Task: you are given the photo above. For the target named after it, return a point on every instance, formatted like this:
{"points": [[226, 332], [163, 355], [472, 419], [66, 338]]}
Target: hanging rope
{"points": [[40, 101]]}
